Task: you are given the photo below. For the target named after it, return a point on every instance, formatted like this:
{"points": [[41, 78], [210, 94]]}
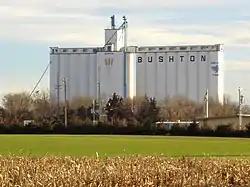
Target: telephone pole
{"points": [[206, 104], [65, 103], [94, 112], [58, 87], [99, 99], [99, 94], [241, 97]]}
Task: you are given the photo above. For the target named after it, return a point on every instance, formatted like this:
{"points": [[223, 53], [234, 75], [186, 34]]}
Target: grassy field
{"points": [[88, 145]]}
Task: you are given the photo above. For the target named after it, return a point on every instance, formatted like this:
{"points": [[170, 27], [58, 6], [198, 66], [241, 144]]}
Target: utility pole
{"points": [[93, 112], [206, 104], [65, 103], [133, 104], [241, 97], [125, 55], [125, 25], [58, 86], [99, 92], [99, 95]]}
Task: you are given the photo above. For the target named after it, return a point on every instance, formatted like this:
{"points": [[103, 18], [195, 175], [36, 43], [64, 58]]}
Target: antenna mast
{"points": [[206, 103], [125, 26], [241, 97], [113, 22]]}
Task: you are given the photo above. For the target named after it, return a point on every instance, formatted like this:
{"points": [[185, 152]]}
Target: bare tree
{"points": [[77, 102], [180, 108], [18, 105], [41, 106], [3, 115], [222, 109]]}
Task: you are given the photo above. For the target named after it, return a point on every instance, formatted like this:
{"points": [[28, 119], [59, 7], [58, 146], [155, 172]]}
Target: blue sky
{"points": [[29, 28]]}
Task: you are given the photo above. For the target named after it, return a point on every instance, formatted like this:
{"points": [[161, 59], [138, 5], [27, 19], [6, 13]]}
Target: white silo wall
{"points": [[132, 75], [111, 75], [140, 74], [92, 73], [53, 76], [213, 78], [79, 77], [203, 74], [84, 74], [182, 64], [66, 72], [73, 81], [221, 75], [55, 73], [64, 60], [161, 78], [67, 76], [128, 77], [192, 75], [154, 72], [150, 62], [171, 74], [58, 75]]}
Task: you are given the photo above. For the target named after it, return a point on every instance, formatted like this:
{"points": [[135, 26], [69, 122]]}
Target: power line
{"points": [[241, 97], [40, 79], [65, 103], [122, 25]]}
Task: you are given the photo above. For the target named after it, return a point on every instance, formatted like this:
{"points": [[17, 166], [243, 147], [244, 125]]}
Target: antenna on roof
{"points": [[113, 22]]}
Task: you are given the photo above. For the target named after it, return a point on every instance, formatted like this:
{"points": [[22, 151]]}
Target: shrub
{"points": [[193, 129], [110, 128], [224, 130]]}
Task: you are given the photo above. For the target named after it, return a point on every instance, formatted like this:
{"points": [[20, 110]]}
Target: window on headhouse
{"points": [[109, 48], [183, 48], [172, 48], [204, 47]]}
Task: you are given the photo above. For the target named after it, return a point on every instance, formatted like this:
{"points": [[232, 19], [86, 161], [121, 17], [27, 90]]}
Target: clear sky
{"points": [[29, 28]]}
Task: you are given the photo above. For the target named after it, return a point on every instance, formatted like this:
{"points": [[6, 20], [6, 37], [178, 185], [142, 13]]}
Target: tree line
{"points": [[124, 116]]}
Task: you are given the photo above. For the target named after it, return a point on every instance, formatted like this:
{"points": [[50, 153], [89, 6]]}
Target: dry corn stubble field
{"points": [[58, 161], [123, 171]]}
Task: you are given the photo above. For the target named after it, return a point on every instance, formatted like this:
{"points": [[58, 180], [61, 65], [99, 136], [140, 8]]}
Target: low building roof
{"points": [[222, 117]]}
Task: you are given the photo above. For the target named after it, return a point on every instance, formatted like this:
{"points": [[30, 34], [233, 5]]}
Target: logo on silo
{"points": [[109, 61], [215, 68]]}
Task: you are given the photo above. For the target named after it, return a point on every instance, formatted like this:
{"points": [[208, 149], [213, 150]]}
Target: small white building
{"points": [[155, 71]]}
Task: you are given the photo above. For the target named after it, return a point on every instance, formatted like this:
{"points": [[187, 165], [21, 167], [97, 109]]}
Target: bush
{"points": [[178, 130], [248, 129], [224, 130], [109, 128], [193, 129]]}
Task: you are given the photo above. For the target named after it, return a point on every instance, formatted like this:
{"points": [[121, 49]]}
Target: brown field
{"points": [[123, 171]]}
